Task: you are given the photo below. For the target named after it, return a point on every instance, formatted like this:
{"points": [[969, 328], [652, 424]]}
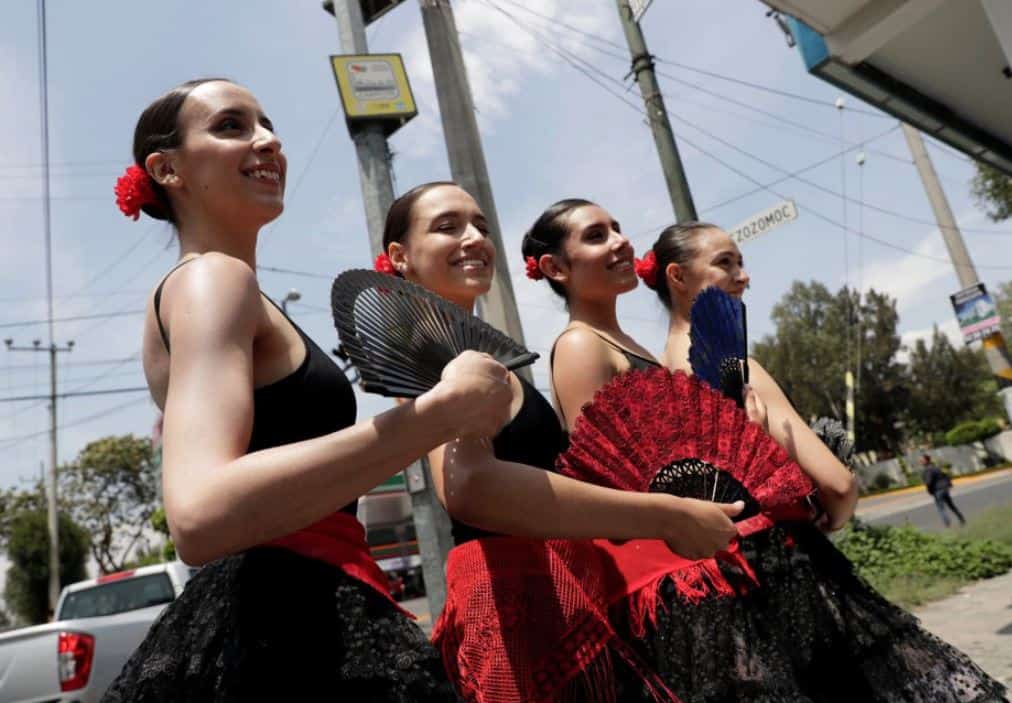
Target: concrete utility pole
{"points": [[467, 160], [52, 520], [369, 138], [657, 115], [432, 524], [994, 345]]}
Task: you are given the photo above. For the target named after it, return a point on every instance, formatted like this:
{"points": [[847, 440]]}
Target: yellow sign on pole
{"points": [[374, 87]]}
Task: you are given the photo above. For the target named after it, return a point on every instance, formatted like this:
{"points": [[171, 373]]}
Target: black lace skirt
{"points": [[269, 625], [813, 632]]}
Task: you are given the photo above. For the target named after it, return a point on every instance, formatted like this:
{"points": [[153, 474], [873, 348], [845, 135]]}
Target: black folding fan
{"points": [[400, 335]]}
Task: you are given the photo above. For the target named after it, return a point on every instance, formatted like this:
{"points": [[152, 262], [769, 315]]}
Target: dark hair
{"points": [[549, 231], [675, 245], [399, 215], [158, 129]]}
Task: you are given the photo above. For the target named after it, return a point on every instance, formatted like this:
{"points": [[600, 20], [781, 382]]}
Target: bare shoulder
{"points": [[214, 288], [581, 344]]}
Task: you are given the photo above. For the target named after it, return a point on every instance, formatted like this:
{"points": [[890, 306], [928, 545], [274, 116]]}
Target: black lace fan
{"points": [[694, 478], [400, 335]]}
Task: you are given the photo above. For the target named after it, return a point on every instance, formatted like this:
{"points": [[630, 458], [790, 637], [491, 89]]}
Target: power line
{"points": [[275, 269], [69, 364], [713, 157], [305, 169], [711, 74], [11, 442], [795, 174], [72, 394], [73, 318]]}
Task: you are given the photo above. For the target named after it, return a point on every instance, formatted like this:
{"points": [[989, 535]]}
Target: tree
{"points": [[809, 352], [27, 589], [993, 192], [948, 385], [111, 489]]}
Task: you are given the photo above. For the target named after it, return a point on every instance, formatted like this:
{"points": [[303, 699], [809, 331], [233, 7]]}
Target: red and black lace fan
{"points": [[659, 431]]}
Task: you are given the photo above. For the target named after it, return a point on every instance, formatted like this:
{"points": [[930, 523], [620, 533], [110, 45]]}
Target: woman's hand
{"points": [[473, 397], [697, 529]]}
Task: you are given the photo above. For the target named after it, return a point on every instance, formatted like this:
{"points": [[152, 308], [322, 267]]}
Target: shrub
{"points": [[972, 431]]}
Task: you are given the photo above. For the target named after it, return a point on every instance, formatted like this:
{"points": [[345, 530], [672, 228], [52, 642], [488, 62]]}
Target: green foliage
{"points": [[808, 357], [111, 489], [904, 552], [27, 589], [993, 191], [972, 431], [948, 385], [160, 523], [881, 482]]}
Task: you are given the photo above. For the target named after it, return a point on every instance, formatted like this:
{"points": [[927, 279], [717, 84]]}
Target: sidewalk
{"points": [[977, 620]]}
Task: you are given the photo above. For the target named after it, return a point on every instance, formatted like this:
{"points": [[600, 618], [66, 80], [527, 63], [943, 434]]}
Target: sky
{"points": [[558, 118]]}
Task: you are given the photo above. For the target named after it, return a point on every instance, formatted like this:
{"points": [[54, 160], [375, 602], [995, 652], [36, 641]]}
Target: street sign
{"points": [[763, 222], [638, 7], [374, 87], [977, 314], [371, 9]]}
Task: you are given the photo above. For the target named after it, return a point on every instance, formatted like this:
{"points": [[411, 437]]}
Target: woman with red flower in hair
{"points": [[522, 620], [263, 461], [810, 629]]}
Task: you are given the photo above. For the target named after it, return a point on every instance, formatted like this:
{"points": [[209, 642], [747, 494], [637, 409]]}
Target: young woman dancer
{"points": [[263, 461], [507, 632], [812, 630]]}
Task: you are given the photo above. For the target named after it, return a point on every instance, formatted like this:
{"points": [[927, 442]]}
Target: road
{"points": [[972, 495]]}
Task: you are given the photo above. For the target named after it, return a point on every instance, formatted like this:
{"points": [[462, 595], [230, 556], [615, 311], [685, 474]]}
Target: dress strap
{"points": [[158, 300]]}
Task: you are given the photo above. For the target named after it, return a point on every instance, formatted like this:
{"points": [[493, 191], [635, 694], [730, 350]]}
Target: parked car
{"points": [[99, 623]]}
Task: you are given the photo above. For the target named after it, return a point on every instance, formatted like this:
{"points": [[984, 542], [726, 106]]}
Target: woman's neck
{"points": [[595, 314], [676, 345], [196, 239]]}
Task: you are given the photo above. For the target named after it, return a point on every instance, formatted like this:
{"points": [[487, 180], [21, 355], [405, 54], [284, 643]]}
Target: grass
{"points": [[912, 589]]}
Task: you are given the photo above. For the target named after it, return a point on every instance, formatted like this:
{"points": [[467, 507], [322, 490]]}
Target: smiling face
{"points": [[716, 261], [597, 259], [446, 248], [229, 164]]}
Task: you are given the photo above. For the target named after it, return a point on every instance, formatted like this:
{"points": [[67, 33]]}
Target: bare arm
{"points": [[218, 499], [836, 484], [517, 499]]}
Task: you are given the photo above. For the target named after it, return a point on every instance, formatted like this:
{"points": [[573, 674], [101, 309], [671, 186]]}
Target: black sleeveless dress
{"points": [[270, 625], [533, 437]]}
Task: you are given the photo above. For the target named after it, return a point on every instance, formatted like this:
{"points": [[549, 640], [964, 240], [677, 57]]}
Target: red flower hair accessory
{"points": [[533, 270], [134, 189], [383, 264], [646, 268]]}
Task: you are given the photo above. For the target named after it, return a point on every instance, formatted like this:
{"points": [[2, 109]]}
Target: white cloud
{"points": [[501, 56]]}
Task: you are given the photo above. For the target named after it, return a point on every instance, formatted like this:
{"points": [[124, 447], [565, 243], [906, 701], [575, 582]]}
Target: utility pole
{"points": [[432, 524], [51, 514], [657, 115], [467, 160], [369, 137], [994, 344]]}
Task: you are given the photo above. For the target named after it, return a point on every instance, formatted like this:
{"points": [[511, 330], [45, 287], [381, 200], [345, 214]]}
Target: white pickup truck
{"points": [[99, 623]]}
